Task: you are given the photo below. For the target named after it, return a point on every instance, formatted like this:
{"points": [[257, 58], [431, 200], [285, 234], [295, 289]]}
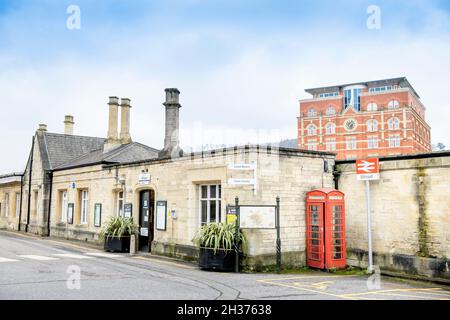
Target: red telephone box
{"points": [[325, 229]]}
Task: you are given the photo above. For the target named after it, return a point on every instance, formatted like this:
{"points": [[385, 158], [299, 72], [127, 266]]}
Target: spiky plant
{"points": [[117, 227], [218, 236]]}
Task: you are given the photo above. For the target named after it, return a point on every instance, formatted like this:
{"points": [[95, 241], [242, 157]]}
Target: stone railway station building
{"points": [[70, 179]]}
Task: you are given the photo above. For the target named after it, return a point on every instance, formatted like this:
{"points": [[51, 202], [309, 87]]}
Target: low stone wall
{"points": [[410, 215], [248, 263], [436, 269]]}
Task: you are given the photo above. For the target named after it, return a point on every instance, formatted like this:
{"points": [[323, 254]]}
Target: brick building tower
{"points": [[366, 119]]}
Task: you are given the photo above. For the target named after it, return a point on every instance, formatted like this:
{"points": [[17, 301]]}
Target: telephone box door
{"points": [[315, 235]]}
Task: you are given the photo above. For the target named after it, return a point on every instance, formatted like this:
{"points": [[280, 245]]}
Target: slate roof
{"points": [[60, 151]]}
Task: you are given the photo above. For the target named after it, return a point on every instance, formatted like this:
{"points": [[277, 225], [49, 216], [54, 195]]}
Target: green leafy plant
{"points": [[117, 227], [218, 236]]}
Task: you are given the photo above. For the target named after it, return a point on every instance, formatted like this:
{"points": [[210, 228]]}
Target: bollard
{"points": [[132, 244]]}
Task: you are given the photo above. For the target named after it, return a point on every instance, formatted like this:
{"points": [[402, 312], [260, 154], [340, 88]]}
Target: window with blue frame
{"points": [[352, 97]]}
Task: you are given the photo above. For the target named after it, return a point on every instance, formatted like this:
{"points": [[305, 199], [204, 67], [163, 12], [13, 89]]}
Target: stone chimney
{"points": [[125, 106], [112, 141], [171, 140], [42, 128], [68, 125]]}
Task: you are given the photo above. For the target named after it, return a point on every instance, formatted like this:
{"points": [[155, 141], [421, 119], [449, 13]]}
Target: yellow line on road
{"points": [[392, 290], [308, 277], [310, 290], [165, 262], [411, 296]]}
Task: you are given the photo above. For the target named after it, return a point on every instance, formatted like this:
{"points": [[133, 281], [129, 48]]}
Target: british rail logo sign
{"points": [[368, 169]]}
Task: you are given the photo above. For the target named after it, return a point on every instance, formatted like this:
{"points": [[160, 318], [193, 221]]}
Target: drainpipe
{"points": [[20, 204], [50, 174], [29, 185]]}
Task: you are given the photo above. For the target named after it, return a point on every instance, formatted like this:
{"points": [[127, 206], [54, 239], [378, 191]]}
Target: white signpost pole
{"points": [[368, 170], [369, 227]]}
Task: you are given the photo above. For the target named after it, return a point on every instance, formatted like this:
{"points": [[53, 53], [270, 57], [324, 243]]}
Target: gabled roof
{"points": [[57, 149], [60, 151]]}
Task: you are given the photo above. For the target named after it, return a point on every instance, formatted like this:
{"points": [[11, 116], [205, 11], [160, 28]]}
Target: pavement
{"points": [[45, 268]]}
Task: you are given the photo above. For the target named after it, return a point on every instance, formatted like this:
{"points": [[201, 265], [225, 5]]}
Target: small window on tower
{"points": [[312, 113]]}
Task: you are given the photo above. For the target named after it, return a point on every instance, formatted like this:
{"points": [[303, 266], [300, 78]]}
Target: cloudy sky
{"points": [[241, 65]]}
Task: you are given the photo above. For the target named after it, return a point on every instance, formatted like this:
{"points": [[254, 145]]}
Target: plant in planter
{"points": [[216, 242], [117, 232]]}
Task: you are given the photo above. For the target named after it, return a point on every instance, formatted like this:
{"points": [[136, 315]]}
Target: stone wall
{"points": [[40, 191], [410, 215]]}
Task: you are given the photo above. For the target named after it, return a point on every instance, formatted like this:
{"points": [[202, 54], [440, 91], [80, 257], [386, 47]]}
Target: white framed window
{"points": [[64, 206], [331, 144], [330, 128], [329, 94], [381, 89], [6, 204], [393, 124], [372, 106], [210, 203], [394, 141], [330, 111], [17, 204], [312, 145], [84, 206], [312, 112], [120, 204], [393, 104], [372, 142], [372, 125], [351, 143], [312, 130]]}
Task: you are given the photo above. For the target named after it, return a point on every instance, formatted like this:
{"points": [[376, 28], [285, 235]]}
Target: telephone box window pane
{"points": [[337, 255], [314, 215]]}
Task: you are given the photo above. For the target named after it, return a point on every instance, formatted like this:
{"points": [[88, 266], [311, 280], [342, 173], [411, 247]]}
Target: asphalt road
{"points": [[43, 268]]}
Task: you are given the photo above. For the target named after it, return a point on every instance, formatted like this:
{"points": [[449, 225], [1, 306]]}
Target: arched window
{"points": [[393, 104], [372, 106], [312, 113], [372, 125], [394, 124], [330, 128], [312, 130], [331, 111]]}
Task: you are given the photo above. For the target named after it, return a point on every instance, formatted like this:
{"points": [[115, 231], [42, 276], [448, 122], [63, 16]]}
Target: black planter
{"points": [[121, 244], [221, 261]]}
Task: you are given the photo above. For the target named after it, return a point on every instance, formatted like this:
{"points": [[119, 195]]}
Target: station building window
{"points": [[210, 203], [84, 208], [120, 204], [64, 205]]}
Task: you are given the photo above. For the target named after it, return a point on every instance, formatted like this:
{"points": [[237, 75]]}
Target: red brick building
{"points": [[366, 119]]}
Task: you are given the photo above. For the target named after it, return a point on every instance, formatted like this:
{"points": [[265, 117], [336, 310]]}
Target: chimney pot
{"points": [[172, 95], [113, 100], [42, 127], [68, 125]]}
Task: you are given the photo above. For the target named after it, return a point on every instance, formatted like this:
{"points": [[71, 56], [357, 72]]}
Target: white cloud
{"points": [[249, 92]]}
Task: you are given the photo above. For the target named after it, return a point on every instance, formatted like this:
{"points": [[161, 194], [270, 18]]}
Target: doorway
{"points": [[146, 219]]}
